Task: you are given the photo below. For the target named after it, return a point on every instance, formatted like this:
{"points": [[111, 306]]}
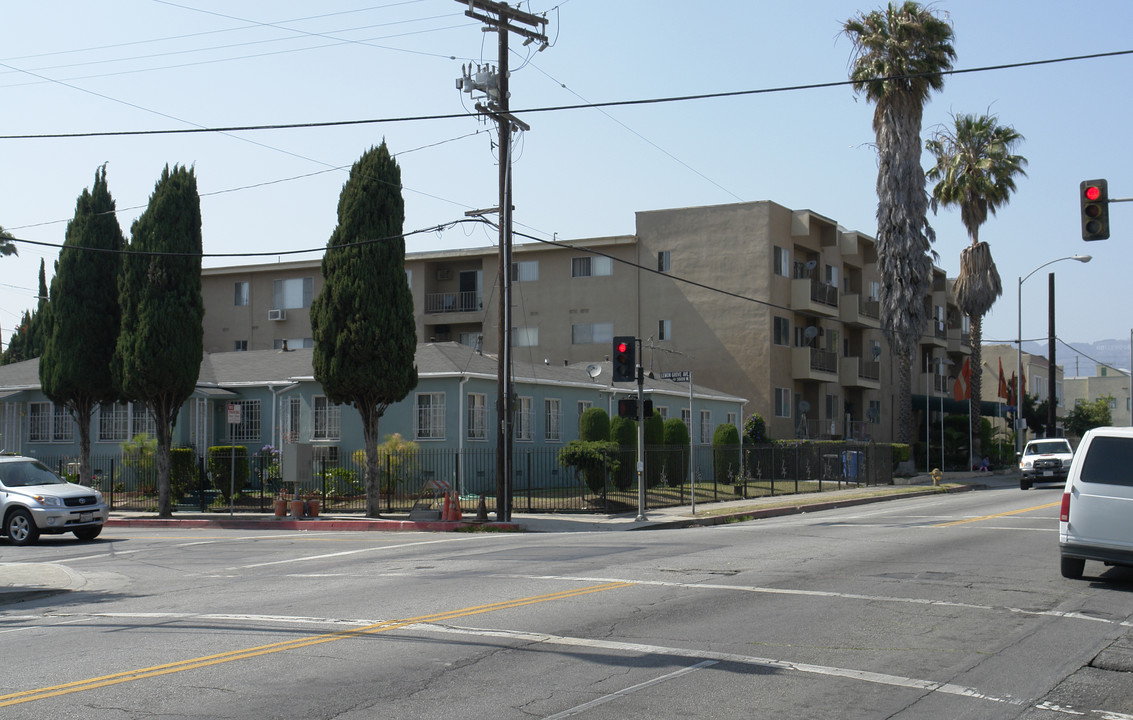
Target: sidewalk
{"points": [[658, 518]]}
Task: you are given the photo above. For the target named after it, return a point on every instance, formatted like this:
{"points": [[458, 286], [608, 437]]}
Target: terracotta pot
{"points": [[279, 505], [313, 508], [297, 508]]}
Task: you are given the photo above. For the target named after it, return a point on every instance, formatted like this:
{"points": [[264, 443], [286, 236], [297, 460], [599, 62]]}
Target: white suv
{"points": [[1096, 520], [35, 501], [1046, 460]]}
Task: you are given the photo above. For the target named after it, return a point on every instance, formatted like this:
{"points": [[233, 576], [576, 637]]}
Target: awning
{"points": [[10, 393], [212, 391]]}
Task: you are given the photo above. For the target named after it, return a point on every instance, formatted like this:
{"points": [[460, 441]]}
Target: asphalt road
{"points": [[948, 606]]}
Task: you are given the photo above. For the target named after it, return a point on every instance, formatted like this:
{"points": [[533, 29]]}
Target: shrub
{"points": [[592, 459], [594, 425], [755, 430], [675, 438], [184, 473], [396, 457], [654, 456], [726, 453], [623, 433], [140, 456], [220, 464]]}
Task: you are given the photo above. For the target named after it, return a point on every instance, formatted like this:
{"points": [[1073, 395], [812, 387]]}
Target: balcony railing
{"points": [[870, 308], [823, 360], [823, 293], [470, 301], [870, 370]]}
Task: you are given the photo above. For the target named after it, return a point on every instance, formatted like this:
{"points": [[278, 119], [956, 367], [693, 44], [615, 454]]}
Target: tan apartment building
{"points": [[775, 305]]}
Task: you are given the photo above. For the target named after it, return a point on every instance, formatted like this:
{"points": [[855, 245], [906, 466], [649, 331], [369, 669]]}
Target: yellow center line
{"points": [[999, 515], [245, 653]]}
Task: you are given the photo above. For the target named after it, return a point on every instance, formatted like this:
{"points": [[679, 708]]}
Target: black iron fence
{"points": [[540, 484]]}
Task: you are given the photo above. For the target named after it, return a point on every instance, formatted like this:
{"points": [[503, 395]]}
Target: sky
{"points": [[69, 67]]}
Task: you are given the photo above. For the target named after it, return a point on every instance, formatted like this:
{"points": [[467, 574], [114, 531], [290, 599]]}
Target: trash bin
{"points": [[852, 461]]}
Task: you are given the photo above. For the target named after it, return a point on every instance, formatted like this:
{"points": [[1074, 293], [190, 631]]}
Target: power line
{"points": [[553, 108]]}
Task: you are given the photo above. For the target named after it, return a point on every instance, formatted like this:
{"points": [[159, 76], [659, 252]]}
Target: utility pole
{"points": [[502, 19]]}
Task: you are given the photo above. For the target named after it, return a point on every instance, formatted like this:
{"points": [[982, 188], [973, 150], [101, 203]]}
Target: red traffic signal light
{"points": [[1094, 197], [625, 364]]}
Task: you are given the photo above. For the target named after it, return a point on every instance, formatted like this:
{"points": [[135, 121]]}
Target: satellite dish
{"points": [[810, 332], [804, 406], [593, 370], [876, 351], [811, 265]]}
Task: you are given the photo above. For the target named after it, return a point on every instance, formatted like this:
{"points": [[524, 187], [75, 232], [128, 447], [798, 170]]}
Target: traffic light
{"points": [[1094, 195], [627, 408], [625, 364]]}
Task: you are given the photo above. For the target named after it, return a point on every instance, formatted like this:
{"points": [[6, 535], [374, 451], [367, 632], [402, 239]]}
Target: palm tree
{"points": [[7, 247], [900, 55], [975, 170]]}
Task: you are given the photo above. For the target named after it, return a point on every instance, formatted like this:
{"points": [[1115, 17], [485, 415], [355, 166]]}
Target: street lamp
{"points": [[1019, 342]]}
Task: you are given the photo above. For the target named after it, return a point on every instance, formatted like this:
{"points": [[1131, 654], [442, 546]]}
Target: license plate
{"points": [[86, 517], [1048, 472]]}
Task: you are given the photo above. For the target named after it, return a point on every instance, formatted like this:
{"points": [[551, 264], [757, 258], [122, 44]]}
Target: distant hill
{"points": [[1082, 360]]}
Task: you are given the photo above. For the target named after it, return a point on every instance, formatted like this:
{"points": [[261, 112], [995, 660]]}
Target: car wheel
{"points": [[88, 533], [1072, 567], [20, 527], [1025, 484]]}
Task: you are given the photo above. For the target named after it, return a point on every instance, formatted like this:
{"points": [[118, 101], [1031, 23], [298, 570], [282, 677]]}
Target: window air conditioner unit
{"points": [[277, 314], [444, 274]]}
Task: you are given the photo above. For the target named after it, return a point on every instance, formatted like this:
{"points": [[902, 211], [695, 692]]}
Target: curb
{"points": [[329, 524], [756, 514]]}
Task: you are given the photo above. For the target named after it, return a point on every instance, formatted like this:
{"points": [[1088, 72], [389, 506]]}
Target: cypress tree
{"points": [[362, 320], [82, 329], [158, 356]]}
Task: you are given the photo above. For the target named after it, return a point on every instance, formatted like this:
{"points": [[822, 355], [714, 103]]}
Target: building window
{"points": [[327, 419], [477, 416], [686, 418], [525, 271], [873, 413], [292, 415], [662, 410], [523, 419], [293, 343], [239, 346], [293, 293], [664, 329], [553, 410], [591, 266], [248, 429], [663, 261], [591, 333], [241, 294], [113, 422], [705, 426], [141, 421], [471, 339], [783, 402], [782, 331], [430, 416], [583, 406], [875, 290], [732, 419], [782, 260], [48, 422], [409, 277], [831, 276], [525, 337]]}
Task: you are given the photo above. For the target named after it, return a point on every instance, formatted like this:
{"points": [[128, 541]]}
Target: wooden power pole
{"points": [[504, 20]]}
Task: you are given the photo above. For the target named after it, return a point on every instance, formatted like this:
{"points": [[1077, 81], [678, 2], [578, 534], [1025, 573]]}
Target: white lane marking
{"points": [[242, 617], [343, 553], [38, 627], [838, 595], [631, 689], [826, 670]]}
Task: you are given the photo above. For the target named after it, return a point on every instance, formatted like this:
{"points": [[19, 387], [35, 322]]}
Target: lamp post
{"points": [[1019, 341]]}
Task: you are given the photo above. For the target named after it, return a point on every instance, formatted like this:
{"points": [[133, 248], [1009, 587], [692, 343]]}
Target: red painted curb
{"points": [[368, 525]]}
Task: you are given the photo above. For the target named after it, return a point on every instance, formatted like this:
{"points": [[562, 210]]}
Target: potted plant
{"points": [[313, 504], [279, 505]]}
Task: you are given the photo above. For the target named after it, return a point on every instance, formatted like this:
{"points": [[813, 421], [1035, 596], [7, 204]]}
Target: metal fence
{"points": [[540, 484]]}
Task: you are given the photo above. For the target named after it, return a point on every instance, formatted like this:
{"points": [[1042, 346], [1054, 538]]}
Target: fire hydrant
{"points": [[936, 476]]}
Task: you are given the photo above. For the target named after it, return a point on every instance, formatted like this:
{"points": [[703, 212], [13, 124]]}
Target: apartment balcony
{"points": [[959, 342], [935, 334], [860, 311], [453, 302], [812, 364], [811, 297], [858, 372]]}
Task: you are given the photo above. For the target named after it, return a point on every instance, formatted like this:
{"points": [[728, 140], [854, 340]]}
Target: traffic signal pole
{"points": [[640, 439]]}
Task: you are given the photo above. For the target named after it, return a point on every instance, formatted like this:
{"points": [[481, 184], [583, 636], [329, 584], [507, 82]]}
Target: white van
{"points": [[1096, 521]]}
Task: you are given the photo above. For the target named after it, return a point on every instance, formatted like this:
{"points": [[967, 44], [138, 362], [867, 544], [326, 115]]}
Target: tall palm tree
{"points": [[7, 247], [975, 170], [900, 53]]}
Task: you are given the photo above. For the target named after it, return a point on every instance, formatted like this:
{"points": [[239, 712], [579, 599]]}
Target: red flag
{"points": [[961, 389], [1003, 392]]}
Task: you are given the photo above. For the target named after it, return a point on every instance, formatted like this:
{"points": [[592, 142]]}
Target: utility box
{"points": [[295, 463]]}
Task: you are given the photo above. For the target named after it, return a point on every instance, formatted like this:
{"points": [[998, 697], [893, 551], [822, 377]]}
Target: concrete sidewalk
{"points": [[671, 517]]}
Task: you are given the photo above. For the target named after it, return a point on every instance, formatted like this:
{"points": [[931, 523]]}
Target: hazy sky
{"points": [[77, 66]]}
